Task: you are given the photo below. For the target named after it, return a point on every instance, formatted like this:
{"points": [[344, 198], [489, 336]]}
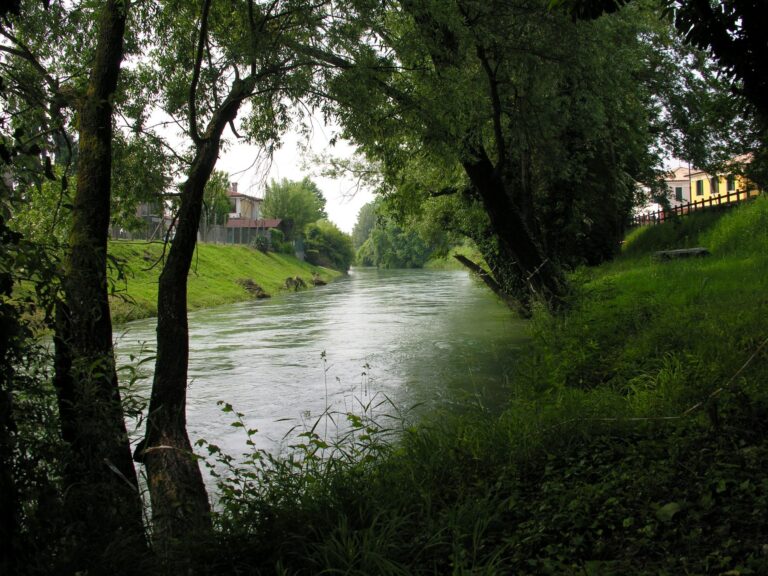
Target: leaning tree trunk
{"points": [[509, 207], [180, 506], [101, 496], [517, 244]]}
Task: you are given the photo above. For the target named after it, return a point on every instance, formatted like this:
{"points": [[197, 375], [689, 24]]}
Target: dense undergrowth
{"points": [[634, 442], [213, 279]]}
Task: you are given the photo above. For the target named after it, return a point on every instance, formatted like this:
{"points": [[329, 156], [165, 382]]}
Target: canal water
{"points": [[405, 340]]}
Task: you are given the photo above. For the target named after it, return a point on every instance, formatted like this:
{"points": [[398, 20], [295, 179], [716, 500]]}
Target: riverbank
{"points": [[634, 442], [220, 274]]}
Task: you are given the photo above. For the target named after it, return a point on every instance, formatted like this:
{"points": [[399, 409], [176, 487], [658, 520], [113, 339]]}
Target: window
{"points": [[714, 185], [679, 193], [699, 187], [731, 183]]}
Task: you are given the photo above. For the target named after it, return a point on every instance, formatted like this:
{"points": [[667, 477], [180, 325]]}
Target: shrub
{"points": [[261, 243], [279, 243], [326, 245]]}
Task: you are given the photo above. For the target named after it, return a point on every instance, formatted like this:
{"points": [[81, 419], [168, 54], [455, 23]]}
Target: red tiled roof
{"points": [[247, 223]]}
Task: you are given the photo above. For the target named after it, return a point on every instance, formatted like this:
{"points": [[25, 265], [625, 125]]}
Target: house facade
{"points": [[679, 186], [243, 206], [695, 185], [725, 187], [245, 222]]}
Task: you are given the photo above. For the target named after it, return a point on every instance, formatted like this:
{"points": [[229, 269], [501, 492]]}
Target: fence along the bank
{"points": [[731, 198]]}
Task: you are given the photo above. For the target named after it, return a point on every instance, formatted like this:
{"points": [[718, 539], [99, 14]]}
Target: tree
{"points": [[390, 246], [216, 205], [102, 501], [366, 220], [394, 240], [141, 173], [326, 245], [297, 203], [543, 116], [104, 491], [202, 81], [731, 31]]}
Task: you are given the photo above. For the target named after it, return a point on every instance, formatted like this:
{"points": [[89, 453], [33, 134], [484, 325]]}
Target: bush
{"points": [[279, 244], [261, 243], [326, 245]]}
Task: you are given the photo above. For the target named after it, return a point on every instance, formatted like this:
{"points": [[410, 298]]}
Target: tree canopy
{"points": [[297, 203], [326, 245]]}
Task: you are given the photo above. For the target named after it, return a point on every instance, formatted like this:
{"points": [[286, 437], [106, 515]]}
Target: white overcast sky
{"points": [[343, 199]]}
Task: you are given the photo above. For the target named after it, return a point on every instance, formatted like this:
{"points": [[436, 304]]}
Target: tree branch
{"points": [[193, 132], [493, 86], [25, 53]]}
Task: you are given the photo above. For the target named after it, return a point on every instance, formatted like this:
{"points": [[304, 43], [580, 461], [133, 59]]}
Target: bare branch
{"points": [[193, 132]]}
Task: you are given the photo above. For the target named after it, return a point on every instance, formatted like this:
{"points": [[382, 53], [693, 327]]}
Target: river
{"points": [[415, 337]]}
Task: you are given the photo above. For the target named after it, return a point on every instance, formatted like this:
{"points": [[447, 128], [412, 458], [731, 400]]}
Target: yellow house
{"points": [[721, 188]]}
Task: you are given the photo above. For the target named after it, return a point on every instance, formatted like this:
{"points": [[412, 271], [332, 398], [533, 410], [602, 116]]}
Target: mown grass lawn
{"points": [[213, 278]]}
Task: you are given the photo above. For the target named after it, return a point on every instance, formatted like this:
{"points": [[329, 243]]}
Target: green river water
{"points": [[421, 337]]}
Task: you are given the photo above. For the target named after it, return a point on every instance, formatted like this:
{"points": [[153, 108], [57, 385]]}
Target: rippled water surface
{"points": [[421, 337]]}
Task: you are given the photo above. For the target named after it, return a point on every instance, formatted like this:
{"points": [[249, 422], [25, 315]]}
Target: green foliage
{"points": [[278, 242], [43, 212], [141, 173], [595, 466], [326, 245], [390, 246], [216, 205], [393, 240], [366, 220], [296, 203], [32, 522], [261, 243], [563, 122]]}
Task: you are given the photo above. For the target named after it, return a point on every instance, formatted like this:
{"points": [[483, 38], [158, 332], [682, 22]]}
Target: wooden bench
{"points": [[681, 253]]}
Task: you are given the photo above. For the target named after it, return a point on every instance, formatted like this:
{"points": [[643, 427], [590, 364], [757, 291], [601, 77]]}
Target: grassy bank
{"points": [[448, 262], [634, 442], [213, 279]]}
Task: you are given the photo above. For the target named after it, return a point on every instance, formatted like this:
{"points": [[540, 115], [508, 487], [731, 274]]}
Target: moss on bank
{"points": [[213, 278]]}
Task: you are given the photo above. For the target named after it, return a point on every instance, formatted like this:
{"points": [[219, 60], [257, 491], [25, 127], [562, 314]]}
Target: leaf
{"points": [[668, 511]]}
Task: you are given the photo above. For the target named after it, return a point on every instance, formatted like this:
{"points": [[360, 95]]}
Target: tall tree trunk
{"points": [[9, 496], [9, 348], [102, 496], [179, 501]]}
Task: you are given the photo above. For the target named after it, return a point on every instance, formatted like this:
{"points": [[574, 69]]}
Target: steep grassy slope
{"points": [[635, 442], [213, 279]]}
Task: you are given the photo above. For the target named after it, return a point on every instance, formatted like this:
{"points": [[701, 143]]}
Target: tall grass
{"points": [[596, 466]]}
